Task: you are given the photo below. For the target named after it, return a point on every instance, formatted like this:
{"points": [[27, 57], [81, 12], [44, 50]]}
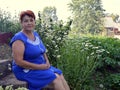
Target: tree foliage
{"points": [[87, 16], [49, 14], [115, 17]]}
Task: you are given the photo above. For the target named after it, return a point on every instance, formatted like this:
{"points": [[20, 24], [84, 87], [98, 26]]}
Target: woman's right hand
{"points": [[44, 66]]}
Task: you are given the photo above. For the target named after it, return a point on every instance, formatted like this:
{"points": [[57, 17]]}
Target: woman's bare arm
{"points": [[46, 58], [18, 52]]}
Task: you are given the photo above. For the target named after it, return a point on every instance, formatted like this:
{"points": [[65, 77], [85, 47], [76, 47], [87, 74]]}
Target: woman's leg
{"points": [[58, 83], [65, 83]]}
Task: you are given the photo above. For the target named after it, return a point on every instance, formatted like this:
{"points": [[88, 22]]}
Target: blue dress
{"points": [[34, 50]]}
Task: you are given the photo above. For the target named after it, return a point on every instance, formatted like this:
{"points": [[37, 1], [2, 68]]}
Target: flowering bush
{"points": [[53, 36]]}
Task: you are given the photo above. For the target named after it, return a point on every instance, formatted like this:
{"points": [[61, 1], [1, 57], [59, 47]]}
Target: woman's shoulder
{"points": [[17, 36]]}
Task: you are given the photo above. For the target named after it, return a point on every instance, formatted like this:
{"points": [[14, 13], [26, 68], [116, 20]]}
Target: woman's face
{"points": [[28, 23]]}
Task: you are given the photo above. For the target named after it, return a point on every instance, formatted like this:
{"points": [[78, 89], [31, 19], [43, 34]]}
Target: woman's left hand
{"points": [[48, 63]]}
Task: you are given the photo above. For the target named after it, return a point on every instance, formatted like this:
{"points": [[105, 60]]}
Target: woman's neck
{"points": [[29, 34]]}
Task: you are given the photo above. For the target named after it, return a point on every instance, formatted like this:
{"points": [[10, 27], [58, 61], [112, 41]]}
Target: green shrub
{"points": [[112, 81], [87, 63], [78, 61], [109, 63]]}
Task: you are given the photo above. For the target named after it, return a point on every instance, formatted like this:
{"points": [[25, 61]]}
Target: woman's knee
{"points": [[58, 79]]}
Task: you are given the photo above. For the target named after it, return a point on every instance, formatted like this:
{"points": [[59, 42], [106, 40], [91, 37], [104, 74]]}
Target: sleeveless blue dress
{"points": [[34, 50]]}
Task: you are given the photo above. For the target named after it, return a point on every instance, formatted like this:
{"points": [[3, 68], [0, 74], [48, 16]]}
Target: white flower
{"points": [[58, 56], [101, 86]]}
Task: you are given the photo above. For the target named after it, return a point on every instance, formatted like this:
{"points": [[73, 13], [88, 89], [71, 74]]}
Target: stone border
{"points": [[5, 68]]}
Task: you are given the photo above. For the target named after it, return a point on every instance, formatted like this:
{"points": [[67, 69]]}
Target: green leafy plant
{"points": [[10, 87], [78, 61], [112, 81], [88, 61]]}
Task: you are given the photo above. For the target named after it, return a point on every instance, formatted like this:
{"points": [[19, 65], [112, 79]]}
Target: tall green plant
{"points": [[7, 23], [78, 61]]}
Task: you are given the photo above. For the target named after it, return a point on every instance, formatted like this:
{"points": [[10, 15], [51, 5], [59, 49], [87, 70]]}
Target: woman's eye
{"points": [[31, 20], [25, 20]]}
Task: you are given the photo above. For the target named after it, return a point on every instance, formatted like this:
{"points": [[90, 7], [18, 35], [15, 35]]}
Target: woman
{"points": [[30, 62]]}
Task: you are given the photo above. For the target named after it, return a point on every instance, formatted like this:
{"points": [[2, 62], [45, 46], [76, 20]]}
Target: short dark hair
{"points": [[28, 13]]}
